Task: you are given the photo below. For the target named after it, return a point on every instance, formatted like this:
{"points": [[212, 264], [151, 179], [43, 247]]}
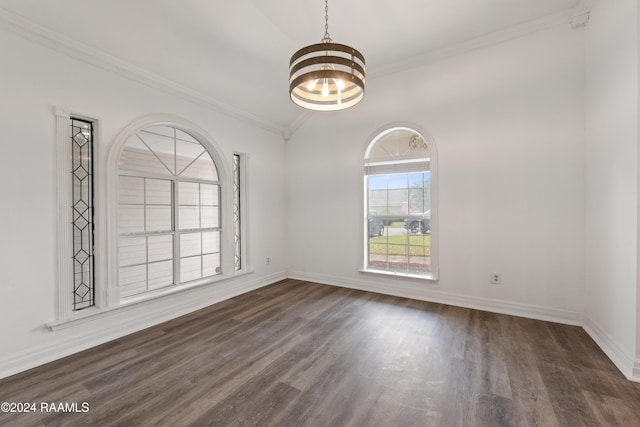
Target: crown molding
{"points": [[31, 31], [567, 17]]}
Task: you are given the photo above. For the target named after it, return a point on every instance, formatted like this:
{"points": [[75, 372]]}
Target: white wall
{"points": [[32, 80], [612, 179], [508, 122]]}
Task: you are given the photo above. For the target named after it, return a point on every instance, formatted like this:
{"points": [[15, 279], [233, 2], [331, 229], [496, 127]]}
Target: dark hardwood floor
{"points": [[301, 354]]}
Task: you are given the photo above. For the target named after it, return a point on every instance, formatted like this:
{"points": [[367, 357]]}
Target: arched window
{"points": [[169, 211], [400, 216]]}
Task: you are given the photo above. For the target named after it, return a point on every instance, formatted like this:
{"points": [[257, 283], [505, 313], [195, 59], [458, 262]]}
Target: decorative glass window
{"points": [[169, 211], [237, 217], [399, 208], [82, 212]]}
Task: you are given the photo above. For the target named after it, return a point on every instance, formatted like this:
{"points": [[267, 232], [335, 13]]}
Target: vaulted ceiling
{"points": [[233, 55]]}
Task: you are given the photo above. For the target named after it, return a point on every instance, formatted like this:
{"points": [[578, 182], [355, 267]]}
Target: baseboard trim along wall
{"points": [[153, 313], [635, 376], [629, 367], [477, 303], [138, 317]]}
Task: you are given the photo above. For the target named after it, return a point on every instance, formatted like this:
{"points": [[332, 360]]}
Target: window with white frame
{"points": [[169, 222], [238, 225], [400, 232], [76, 206], [82, 212]]}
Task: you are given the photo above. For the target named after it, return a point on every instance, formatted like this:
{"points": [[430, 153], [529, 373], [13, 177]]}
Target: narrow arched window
{"points": [[169, 221], [400, 215]]}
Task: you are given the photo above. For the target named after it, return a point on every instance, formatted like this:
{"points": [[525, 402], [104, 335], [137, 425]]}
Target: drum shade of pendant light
{"points": [[326, 76]]}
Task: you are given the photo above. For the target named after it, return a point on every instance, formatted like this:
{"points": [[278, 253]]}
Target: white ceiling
{"points": [[234, 54]]}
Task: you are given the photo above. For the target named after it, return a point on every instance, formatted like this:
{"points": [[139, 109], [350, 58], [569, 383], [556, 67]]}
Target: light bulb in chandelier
{"points": [[325, 88]]}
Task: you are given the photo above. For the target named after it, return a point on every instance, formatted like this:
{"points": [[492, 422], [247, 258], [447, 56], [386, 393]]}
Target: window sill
{"points": [[432, 277], [127, 302]]}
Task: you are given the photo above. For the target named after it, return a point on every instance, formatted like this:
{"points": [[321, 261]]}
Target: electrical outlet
{"points": [[496, 278]]}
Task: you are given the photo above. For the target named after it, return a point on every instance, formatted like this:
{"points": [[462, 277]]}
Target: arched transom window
{"points": [[169, 211], [399, 204]]}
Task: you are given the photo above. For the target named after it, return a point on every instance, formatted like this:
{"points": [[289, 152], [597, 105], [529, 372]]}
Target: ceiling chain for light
{"points": [[326, 21]]}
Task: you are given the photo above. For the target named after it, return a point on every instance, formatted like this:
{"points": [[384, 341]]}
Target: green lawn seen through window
{"points": [[418, 245]]}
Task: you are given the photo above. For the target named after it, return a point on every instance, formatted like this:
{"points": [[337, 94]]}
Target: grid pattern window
{"points": [[237, 224], [398, 203], [82, 213], [169, 211]]}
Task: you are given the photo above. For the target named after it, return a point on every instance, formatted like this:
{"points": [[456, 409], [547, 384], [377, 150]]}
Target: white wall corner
{"points": [[629, 367], [580, 21]]}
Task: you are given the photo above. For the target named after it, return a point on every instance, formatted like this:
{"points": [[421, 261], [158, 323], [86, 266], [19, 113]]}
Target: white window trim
{"points": [[433, 275], [226, 198], [107, 292]]}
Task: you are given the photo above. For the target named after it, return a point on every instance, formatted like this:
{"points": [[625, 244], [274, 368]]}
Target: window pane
{"points": [[398, 181], [131, 219], [158, 192], [162, 147], [158, 218], [190, 244], [160, 248], [211, 242], [132, 251], [133, 280], [399, 143], [377, 182], [210, 265], [183, 136], [131, 190], [190, 268], [137, 157], [186, 154], [209, 195], [209, 217], [203, 168], [417, 201], [160, 274], [189, 218], [189, 193]]}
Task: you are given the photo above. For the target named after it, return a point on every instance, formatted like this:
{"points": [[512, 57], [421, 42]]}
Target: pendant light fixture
{"points": [[326, 76]]}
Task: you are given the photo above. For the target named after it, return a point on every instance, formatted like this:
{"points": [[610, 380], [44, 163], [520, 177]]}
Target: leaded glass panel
{"points": [[82, 213]]}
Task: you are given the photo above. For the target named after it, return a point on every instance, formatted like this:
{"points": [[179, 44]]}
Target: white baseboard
{"points": [[143, 315], [132, 319], [629, 367], [426, 293], [635, 374]]}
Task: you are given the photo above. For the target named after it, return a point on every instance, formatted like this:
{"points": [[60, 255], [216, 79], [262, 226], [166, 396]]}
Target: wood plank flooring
{"points": [[302, 354]]}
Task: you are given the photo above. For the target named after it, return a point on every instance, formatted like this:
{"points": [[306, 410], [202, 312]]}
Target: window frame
{"points": [[64, 281], [174, 227], [225, 196], [105, 165], [433, 275], [242, 246]]}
